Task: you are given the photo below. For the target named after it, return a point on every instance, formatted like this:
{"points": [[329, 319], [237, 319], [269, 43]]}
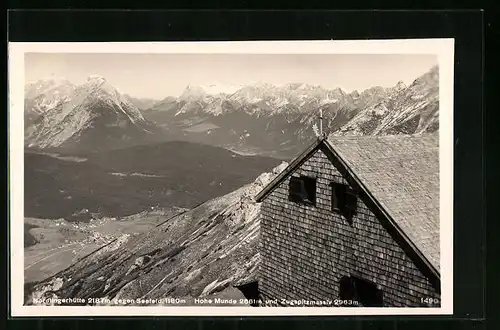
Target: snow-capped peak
{"points": [[214, 89], [52, 80], [95, 81], [68, 113], [192, 92], [400, 85], [35, 88], [96, 78], [46, 94], [98, 85], [261, 85]]}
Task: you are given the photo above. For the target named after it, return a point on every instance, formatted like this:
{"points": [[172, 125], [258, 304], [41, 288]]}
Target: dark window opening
{"points": [[346, 289], [344, 200], [365, 293], [302, 190], [251, 292]]}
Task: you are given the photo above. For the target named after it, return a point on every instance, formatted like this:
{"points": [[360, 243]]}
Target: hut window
{"points": [[302, 190], [365, 293], [344, 200]]}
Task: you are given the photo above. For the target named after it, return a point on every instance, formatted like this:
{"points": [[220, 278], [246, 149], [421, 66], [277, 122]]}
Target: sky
{"points": [[160, 75]]}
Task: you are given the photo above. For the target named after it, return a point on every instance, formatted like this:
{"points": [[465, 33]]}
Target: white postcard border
{"points": [[442, 48]]}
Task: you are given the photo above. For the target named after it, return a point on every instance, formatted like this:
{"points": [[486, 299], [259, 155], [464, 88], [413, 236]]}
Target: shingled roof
{"points": [[402, 174]]}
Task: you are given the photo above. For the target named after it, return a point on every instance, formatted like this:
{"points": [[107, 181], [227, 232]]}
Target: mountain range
{"points": [[265, 117], [255, 118]]}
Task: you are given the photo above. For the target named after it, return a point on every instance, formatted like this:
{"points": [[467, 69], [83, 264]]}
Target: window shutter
{"points": [[310, 189], [302, 190], [338, 196], [295, 189], [351, 201]]}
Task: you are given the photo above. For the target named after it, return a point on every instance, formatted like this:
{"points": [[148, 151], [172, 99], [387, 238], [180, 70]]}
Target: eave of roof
{"points": [[299, 160]]}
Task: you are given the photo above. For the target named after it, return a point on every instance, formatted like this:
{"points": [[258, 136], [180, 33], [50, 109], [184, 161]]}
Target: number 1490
{"points": [[429, 301]]}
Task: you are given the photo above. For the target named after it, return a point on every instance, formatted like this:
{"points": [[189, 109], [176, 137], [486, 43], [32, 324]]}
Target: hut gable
{"points": [[402, 174], [375, 233]]}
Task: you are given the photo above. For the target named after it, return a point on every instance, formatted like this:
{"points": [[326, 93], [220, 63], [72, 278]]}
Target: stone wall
{"points": [[306, 250]]}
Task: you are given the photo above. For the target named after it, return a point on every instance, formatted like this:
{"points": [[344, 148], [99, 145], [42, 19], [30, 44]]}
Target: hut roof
{"points": [[401, 172]]}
